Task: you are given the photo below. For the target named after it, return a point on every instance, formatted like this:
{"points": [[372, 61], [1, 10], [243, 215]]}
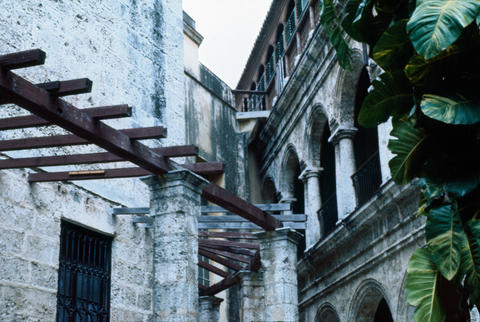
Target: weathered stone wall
{"points": [[133, 52], [30, 217]]}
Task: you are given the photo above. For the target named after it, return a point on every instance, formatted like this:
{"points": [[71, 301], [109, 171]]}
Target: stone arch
{"points": [[288, 170], [269, 191], [346, 88], [327, 313], [314, 132], [405, 311], [367, 299]]}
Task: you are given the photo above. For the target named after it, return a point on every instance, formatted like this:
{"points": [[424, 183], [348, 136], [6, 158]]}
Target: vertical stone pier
{"points": [[311, 178], [278, 251], [342, 139], [175, 209], [252, 297], [209, 309]]}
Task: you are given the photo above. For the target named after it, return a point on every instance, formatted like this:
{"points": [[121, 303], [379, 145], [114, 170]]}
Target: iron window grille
{"points": [[328, 214], [83, 275], [290, 27], [270, 69], [367, 179]]}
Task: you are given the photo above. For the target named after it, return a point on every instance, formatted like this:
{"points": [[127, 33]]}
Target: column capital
{"points": [[310, 172], [342, 133], [284, 233], [174, 177], [289, 200]]}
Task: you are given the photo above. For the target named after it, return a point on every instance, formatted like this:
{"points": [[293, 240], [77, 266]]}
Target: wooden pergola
{"points": [[45, 103]]}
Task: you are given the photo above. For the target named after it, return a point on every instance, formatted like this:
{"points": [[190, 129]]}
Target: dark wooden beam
{"points": [[59, 112], [236, 218], [246, 91], [220, 286], [225, 234], [227, 243], [221, 260], [69, 87], [212, 269], [98, 113], [179, 151], [206, 168], [243, 225], [255, 262], [23, 59], [202, 287], [232, 250], [229, 201], [91, 174], [227, 254], [89, 158], [273, 207], [70, 139]]}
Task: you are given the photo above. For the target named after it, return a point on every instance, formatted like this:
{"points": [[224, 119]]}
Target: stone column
{"points": [[278, 251], [288, 199], [342, 138], [175, 209], [252, 297], [310, 177], [209, 308]]}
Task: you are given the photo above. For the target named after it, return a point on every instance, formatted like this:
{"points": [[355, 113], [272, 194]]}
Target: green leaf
{"points": [[462, 187], [330, 22], [471, 260], [437, 24], [393, 48], [408, 149], [392, 95], [457, 109], [422, 72], [445, 237], [422, 287]]}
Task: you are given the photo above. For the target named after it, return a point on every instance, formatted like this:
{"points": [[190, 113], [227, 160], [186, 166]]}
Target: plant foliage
{"points": [[428, 50]]}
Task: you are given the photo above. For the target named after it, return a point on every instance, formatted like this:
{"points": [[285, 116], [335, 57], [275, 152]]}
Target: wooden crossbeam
{"points": [[232, 250], [245, 225], [116, 173], [265, 207], [70, 139], [99, 113], [206, 168], [225, 234], [59, 112], [69, 87], [226, 243], [219, 259], [220, 286], [229, 201], [23, 59], [238, 258], [255, 262], [212, 269], [89, 158], [235, 218], [202, 287]]}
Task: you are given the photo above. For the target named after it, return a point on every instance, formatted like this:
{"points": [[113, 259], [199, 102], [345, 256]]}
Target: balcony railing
{"points": [[290, 27], [301, 7], [367, 179], [250, 101], [328, 214]]}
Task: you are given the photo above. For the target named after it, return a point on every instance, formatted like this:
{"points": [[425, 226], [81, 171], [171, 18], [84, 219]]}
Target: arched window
{"points": [[270, 65], [367, 178], [261, 79], [279, 43], [383, 313], [328, 214], [291, 23]]}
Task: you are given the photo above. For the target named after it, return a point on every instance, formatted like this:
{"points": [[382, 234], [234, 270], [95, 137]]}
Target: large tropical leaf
{"points": [[445, 237], [471, 261], [423, 72], [393, 48], [437, 24], [457, 109], [329, 20], [422, 287], [409, 149], [392, 95]]}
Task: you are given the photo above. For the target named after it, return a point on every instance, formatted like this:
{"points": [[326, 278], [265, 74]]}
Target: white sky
{"points": [[229, 28]]}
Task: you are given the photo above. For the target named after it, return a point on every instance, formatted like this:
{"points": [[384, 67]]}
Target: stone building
{"points": [[286, 135]]}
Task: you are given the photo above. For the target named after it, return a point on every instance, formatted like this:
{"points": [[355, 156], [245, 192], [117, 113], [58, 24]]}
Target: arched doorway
{"points": [[383, 313], [328, 214], [369, 304], [269, 192], [327, 313], [367, 178]]}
